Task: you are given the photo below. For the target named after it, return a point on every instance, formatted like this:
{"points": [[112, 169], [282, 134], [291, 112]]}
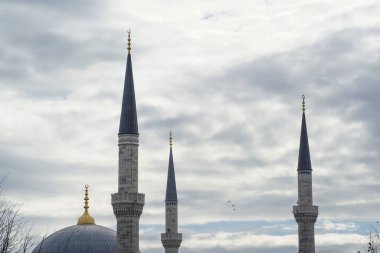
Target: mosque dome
{"points": [[79, 239], [85, 237]]}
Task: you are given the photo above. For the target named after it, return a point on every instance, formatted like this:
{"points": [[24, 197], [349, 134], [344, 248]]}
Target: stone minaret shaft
{"points": [[171, 239], [128, 202], [305, 212]]}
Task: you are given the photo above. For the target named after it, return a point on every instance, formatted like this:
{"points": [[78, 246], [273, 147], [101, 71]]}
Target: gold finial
{"points": [[171, 139], [86, 218], [129, 41], [303, 103], [86, 198]]}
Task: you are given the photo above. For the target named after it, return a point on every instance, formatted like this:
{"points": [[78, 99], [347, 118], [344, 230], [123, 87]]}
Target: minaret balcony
{"points": [[171, 236], [128, 197], [305, 209], [305, 214]]}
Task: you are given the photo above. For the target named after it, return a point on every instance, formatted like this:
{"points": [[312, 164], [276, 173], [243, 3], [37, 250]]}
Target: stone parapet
{"points": [[128, 197], [305, 214], [175, 236], [128, 204], [171, 240], [127, 209], [305, 209]]}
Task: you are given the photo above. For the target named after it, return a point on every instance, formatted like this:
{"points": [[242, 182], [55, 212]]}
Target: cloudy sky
{"points": [[227, 78]]}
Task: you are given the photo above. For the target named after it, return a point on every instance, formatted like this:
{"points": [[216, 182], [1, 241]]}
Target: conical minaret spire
{"points": [[128, 118], [304, 162], [128, 203], [305, 212], [171, 188], [171, 239]]}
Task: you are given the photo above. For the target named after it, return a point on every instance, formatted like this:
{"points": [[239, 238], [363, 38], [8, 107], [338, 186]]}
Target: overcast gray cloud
{"points": [[227, 79]]}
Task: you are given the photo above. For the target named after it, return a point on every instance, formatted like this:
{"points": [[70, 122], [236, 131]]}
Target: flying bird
{"points": [[232, 205]]}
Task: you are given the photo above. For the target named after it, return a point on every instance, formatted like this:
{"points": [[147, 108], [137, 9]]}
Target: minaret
{"points": [[128, 202], [305, 212], [171, 239]]}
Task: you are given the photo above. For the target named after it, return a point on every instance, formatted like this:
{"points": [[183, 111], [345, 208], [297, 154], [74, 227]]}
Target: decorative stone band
{"points": [[305, 209], [128, 197], [171, 203], [128, 139], [127, 209], [306, 217], [305, 214], [128, 204], [175, 236], [171, 240]]}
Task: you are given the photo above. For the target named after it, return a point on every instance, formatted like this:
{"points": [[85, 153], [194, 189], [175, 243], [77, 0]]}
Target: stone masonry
{"points": [[128, 203], [171, 239], [305, 214]]}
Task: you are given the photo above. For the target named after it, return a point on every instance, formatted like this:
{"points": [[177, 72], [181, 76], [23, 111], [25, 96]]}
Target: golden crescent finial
{"points": [[171, 139], [129, 41], [86, 198], [303, 103], [86, 218]]}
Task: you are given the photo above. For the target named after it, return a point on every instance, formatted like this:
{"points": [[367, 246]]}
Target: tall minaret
{"points": [[127, 202], [305, 212], [171, 239]]}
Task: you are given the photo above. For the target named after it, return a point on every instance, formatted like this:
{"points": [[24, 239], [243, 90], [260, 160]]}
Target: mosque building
{"points": [[128, 203]]}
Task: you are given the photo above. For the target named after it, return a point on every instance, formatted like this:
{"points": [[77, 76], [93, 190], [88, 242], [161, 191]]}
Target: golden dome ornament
{"points": [[86, 218]]}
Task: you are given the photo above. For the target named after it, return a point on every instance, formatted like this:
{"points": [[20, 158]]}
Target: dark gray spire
{"points": [[171, 189], [128, 118], [304, 162]]}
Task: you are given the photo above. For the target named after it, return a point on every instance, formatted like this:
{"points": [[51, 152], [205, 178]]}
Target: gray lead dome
{"points": [[79, 239]]}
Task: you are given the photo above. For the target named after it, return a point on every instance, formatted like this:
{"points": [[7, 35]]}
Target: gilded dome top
{"points": [[86, 218]]}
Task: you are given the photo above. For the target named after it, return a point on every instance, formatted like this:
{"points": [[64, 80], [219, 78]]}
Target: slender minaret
{"points": [[171, 239], [305, 212], [128, 202]]}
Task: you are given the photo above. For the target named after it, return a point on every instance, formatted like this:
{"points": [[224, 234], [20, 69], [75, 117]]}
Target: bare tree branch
{"points": [[373, 245], [15, 230]]}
